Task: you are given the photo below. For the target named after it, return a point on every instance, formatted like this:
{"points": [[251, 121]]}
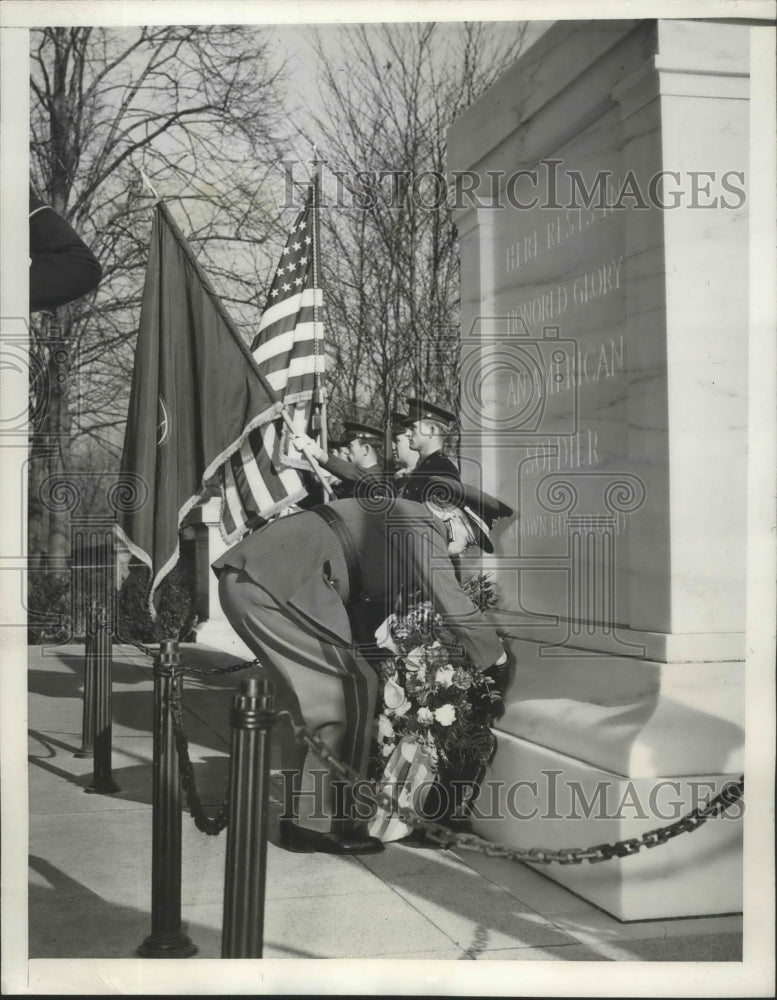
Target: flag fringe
{"points": [[271, 413], [134, 549], [230, 537]]}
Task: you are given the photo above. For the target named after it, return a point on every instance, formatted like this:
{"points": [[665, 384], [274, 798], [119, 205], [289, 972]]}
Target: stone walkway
{"points": [[90, 859]]}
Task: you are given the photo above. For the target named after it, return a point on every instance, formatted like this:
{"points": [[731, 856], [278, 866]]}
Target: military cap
{"points": [[353, 430], [481, 509], [422, 409], [399, 423], [334, 443]]}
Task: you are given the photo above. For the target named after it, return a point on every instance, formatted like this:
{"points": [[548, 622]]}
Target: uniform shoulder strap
{"points": [[337, 525]]}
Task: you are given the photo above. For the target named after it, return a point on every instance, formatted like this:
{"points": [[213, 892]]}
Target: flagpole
{"points": [[328, 491], [387, 435], [147, 183], [318, 414]]}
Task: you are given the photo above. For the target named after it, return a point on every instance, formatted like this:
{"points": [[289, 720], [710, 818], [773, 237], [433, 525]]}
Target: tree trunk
{"points": [[60, 429], [49, 508]]}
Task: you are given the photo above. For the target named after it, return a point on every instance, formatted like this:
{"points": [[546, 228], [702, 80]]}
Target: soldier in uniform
{"points": [[363, 469], [405, 458], [297, 592], [339, 448], [428, 424]]}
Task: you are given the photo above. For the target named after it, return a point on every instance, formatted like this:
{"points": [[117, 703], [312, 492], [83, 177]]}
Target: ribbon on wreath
{"points": [[407, 777]]}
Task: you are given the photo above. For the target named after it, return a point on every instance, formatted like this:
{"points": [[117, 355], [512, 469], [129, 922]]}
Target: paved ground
{"points": [[90, 858]]}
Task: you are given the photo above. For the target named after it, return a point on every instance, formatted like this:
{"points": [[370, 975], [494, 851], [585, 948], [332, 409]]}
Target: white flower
{"points": [[445, 714], [393, 693], [444, 675], [383, 635], [415, 662], [424, 716], [387, 749], [394, 697], [385, 729]]}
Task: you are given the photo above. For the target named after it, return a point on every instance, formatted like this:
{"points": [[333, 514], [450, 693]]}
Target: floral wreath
{"points": [[433, 698]]}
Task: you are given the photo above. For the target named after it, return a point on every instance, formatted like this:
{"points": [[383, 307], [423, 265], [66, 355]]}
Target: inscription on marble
{"points": [[591, 364], [566, 268], [559, 229], [551, 305]]}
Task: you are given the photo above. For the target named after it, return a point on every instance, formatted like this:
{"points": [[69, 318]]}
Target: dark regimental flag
{"points": [[198, 401]]}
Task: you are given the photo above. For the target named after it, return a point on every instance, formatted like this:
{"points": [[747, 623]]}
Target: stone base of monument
{"points": [[219, 634], [535, 797], [597, 748], [214, 630], [695, 874]]}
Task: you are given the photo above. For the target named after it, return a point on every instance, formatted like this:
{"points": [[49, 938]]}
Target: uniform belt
{"points": [[337, 525]]}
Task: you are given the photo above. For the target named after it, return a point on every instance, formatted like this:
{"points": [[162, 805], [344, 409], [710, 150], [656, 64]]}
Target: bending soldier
{"points": [[304, 590]]}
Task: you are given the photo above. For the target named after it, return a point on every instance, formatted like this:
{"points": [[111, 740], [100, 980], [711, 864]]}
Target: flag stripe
{"points": [[298, 368], [259, 474], [291, 306], [232, 518], [285, 341]]}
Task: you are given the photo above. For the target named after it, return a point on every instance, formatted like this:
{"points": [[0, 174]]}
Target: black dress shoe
{"points": [[297, 838]]}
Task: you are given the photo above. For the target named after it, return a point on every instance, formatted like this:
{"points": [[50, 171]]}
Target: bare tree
{"points": [[200, 110], [391, 250]]}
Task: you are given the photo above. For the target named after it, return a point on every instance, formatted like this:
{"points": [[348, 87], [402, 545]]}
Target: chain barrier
{"points": [[230, 668], [437, 833], [212, 826]]}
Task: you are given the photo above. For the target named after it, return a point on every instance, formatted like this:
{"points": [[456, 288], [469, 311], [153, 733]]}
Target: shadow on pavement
{"points": [[67, 920]]}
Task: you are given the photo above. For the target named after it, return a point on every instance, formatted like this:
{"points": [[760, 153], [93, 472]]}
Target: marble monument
{"points": [[601, 202]]}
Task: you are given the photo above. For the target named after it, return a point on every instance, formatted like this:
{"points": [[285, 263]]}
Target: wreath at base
{"points": [[433, 735]]}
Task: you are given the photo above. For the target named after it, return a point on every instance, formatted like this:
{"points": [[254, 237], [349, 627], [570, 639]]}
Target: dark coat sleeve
{"points": [[359, 482], [434, 466], [435, 576], [346, 471], [62, 267]]}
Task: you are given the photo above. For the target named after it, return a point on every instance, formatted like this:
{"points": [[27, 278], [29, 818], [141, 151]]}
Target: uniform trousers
{"points": [[330, 688]]}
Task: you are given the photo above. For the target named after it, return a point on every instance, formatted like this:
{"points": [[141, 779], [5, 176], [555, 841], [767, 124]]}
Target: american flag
{"points": [[259, 481], [288, 346]]}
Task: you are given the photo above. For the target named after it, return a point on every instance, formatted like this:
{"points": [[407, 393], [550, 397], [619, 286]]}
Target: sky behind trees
{"points": [[215, 116]]}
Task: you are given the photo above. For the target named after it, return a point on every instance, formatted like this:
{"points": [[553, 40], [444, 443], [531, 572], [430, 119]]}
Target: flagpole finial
{"points": [[147, 183]]}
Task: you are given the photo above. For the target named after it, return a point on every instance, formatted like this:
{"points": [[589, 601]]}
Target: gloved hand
{"points": [[304, 443], [494, 684]]}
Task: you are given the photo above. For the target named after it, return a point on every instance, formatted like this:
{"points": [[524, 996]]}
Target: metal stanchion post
{"points": [[90, 657], [252, 719], [102, 780], [166, 939]]}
